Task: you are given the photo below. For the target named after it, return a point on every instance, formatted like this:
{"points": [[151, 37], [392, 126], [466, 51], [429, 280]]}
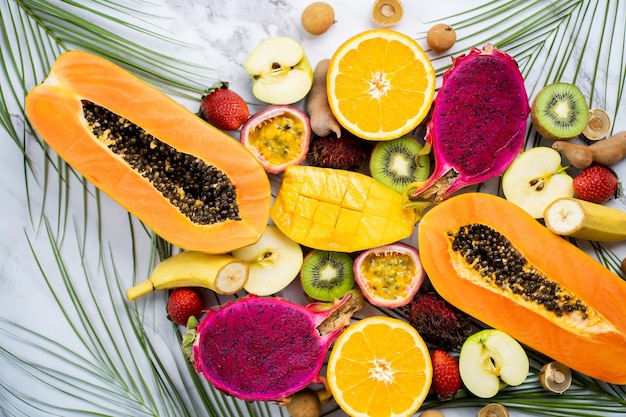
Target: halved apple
{"points": [[280, 70], [535, 179], [275, 261], [491, 359]]}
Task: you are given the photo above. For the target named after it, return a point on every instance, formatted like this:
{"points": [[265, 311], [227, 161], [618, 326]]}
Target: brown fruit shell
{"points": [[387, 13], [493, 410], [318, 17], [555, 377], [598, 125], [441, 37]]}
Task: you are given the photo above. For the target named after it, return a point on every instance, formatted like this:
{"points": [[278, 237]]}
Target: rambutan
{"points": [[346, 152], [438, 322]]}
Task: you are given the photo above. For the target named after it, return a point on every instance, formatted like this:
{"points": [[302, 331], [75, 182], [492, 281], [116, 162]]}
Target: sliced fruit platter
{"points": [[369, 221]]}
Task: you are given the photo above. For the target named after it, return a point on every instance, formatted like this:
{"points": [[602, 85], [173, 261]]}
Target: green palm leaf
{"points": [[128, 361], [98, 379]]}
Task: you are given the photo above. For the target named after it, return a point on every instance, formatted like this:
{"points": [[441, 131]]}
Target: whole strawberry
{"points": [[223, 108], [446, 376], [184, 303], [596, 184]]}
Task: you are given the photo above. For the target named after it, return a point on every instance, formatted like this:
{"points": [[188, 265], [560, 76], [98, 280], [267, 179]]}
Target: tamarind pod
{"points": [[322, 120], [577, 155], [221, 273], [603, 152], [610, 150]]}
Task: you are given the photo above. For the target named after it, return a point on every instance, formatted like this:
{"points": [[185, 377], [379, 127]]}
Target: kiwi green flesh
{"points": [[561, 111], [396, 163], [327, 275]]}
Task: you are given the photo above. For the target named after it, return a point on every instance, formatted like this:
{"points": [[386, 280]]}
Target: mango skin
{"points": [[338, 210]]}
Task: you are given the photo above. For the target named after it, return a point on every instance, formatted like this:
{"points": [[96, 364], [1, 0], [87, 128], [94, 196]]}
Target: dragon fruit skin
{"points": [[267, 348], [478, 123]]}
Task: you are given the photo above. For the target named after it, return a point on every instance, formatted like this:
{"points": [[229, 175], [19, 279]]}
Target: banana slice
{"points": [[585, 220]]}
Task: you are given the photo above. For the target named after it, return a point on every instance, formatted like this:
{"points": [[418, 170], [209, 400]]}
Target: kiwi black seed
{"points": [[397, 163], [327, 275], [559, 111]]}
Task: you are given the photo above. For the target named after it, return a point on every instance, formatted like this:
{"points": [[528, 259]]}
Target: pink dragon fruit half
{"points": [[265, 349], [478, 123]]}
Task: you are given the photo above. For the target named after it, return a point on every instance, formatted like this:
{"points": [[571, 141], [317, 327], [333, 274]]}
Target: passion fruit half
{"points": [[389, 276], [278, 136]]}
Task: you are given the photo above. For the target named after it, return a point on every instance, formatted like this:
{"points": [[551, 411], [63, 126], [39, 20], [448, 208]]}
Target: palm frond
{"points": [[124, 358], [35, 32], [85, 25], [119, 370]]}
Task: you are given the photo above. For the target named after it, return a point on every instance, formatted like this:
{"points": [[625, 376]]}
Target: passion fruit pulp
{"points": [[389, 276], [277, 136]]}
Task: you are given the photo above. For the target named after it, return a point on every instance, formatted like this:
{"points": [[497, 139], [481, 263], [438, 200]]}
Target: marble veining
{"points": [[216, 36]]}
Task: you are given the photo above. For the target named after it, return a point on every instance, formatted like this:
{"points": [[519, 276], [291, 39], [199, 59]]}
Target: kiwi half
{"points": [[396, 164], [327, 275], [560, 111]]}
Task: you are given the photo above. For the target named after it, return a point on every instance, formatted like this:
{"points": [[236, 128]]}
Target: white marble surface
{"points": [[94, 235]]}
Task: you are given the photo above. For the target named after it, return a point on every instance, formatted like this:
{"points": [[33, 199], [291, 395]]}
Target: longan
{"points": [[441, 37], [431, 413], [304, 403], [318, 17]]}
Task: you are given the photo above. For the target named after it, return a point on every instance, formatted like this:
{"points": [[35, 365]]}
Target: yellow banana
{"points": [[221, 273], [585, 220]]}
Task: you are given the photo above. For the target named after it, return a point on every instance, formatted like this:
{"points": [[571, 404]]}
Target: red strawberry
{"points": [[596, 184], [223, 108], [446, 376], [184, 303]]}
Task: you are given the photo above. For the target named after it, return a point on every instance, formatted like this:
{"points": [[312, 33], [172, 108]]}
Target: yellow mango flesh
{"points": [[343, 211]]}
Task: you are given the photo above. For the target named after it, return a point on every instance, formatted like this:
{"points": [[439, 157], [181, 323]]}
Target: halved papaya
{"points": [[192, 184], [492, 260]]}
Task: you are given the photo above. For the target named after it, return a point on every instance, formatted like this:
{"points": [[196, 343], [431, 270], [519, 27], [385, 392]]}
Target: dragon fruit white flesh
{"points": [[267, 348], [478, 123]]}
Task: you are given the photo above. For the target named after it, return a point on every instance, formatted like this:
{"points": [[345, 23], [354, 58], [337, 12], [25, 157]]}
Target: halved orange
{"points": [[379, 367], [380, 84]]}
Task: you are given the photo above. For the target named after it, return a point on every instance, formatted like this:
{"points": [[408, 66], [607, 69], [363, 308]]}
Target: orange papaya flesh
{"points": [[57, 110], [565, 305], [339, 210]]}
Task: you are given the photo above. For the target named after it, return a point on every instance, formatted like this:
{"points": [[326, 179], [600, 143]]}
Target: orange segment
{"points": [[381, 84], [379, 367]]}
